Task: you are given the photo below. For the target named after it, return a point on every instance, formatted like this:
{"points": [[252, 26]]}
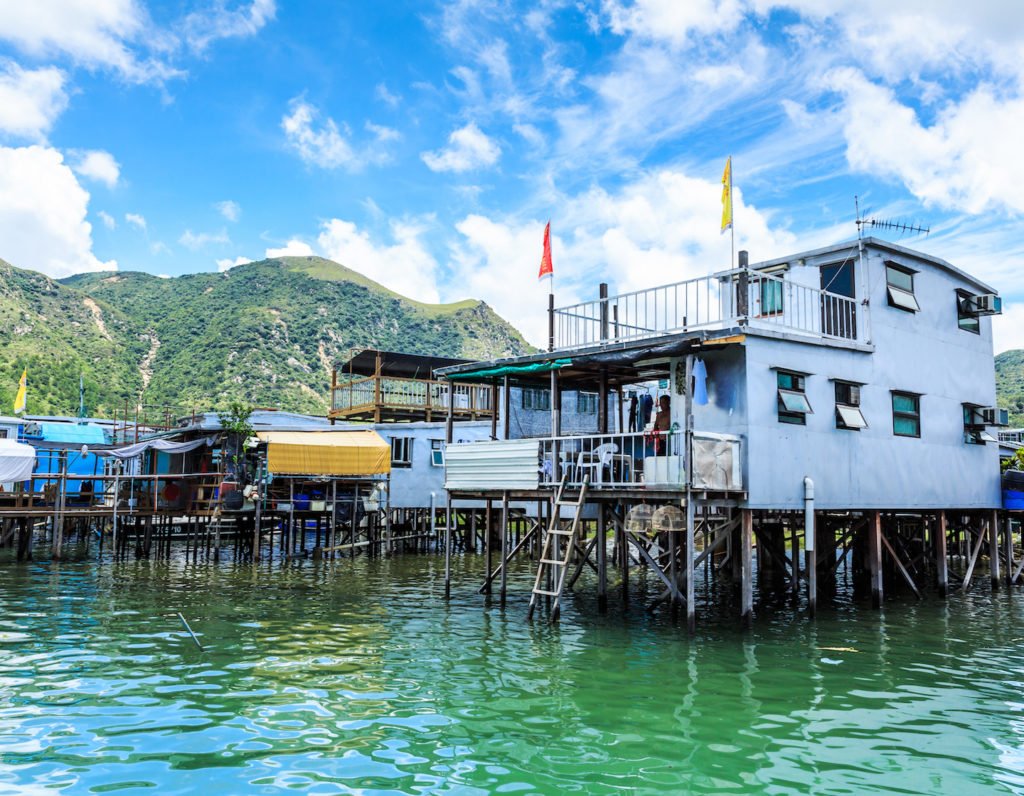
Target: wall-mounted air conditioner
{"points": [[985, 304]]}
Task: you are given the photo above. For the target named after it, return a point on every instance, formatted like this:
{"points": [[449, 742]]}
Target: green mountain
{"points": [[1010, 385], [266, 333]]}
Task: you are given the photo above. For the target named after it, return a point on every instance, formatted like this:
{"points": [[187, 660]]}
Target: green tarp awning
{"points": [[510, 370]]}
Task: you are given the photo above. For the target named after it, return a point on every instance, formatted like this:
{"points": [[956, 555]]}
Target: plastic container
{"points": [[318, 505], [1013, 480], [302, 502], [1013, 500]]}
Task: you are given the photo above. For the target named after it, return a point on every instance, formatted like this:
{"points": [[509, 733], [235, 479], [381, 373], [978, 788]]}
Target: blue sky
{"points": [[425, 144]]}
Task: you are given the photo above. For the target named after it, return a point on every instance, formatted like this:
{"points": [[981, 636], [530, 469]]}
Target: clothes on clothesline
{"points": [[633, 412], [700, 387], [646, 408]]}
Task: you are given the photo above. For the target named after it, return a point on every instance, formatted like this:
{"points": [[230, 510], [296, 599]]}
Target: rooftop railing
{"points": [[411, 394], [741, 297]]}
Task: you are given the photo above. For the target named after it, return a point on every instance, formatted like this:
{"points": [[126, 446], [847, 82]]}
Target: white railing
{"points": [[738, 297], [633, 460]]}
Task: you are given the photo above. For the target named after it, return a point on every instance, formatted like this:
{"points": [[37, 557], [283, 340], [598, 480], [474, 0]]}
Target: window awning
{"points": [[362, 452], [511, 370]]}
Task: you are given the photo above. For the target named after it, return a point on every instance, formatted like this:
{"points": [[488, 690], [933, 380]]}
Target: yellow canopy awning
{"points": [[362, 452]]}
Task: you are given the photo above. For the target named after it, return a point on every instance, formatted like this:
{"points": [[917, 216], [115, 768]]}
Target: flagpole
{"points": [[732, 221]]}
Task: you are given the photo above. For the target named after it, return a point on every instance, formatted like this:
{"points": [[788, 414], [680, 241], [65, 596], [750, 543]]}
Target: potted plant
{"points": [[237, 432]]}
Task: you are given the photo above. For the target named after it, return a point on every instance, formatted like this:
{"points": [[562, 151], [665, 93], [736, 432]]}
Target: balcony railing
{"points": [[634, 460], [732, 298], [411, 394]]}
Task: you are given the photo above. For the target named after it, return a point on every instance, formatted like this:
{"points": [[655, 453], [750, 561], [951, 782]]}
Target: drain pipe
{"points": [[809, 548]]}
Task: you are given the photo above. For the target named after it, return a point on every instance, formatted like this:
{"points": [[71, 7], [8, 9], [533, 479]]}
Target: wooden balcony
{"points": [[381, 399]]}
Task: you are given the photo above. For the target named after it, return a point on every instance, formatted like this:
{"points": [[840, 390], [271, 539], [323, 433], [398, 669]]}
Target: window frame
{"points": [[902, 414], [845, 400], [776, 309], [583, 400], [975, 433], [405, 443], [540, 395], [900, 290], [437, 453], [962, 315], [796, 386]]}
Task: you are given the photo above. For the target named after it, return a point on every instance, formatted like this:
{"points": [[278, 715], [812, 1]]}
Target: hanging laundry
{"points": [[633, 412], [647, 406], [700, 387]]}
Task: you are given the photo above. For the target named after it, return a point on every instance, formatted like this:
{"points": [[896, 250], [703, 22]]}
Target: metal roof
{"points": [[393, 363]]}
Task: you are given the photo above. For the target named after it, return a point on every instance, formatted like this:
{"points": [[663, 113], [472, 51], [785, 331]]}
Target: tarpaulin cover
{"points": [[131, 451], [16, 461], [511, 370], [362, 452]]}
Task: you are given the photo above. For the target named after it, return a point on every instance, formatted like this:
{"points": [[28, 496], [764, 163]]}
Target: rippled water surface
{"points": [[331, 677]]}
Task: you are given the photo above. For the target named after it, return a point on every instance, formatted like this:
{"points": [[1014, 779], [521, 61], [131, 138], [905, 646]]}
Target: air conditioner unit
{"points": [[987, 415], [986, 304]]}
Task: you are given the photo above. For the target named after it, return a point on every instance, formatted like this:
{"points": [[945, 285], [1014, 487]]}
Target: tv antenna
{"points": [[886, 224]]}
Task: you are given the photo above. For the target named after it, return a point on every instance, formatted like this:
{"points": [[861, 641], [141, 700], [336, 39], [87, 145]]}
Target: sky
{"points": [[426, 144]]}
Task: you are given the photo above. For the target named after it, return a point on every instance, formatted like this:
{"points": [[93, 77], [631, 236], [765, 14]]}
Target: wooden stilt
{"points": [[746, 569], [448, 552], [1008, 547], [974, 558], [941, 558], [602, 560], [691, 608], [504, 547], [811, 548], [993, 548], [874, 532]]}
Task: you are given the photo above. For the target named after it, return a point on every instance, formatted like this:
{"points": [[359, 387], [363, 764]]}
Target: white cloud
{"points": [[95, 33], [159, 247], [95, 164], [293, 248], [386, 96], [228, 264], [219, 22], [322, 146], [661, 228], [968, 159], [382, 133], [1008, 328], [672, 20], [405, 266], [195, 241], [43, 210], [137, 221], [468, 148], [107, 219], [231, 210], [30, 100]]}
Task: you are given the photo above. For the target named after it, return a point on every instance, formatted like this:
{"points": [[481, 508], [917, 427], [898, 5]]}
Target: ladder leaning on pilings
{"points": [[554, 556]]}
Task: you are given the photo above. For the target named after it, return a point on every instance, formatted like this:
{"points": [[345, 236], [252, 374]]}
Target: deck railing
{"points": [[738, 297], [632, 460], [401, 393]]}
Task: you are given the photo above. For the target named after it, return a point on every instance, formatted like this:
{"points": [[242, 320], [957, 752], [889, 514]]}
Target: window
{"points": [[906, 414], [401, 451], [792, 403], [771, 296], [974, 426], [436, 453], [3, 433], [966, 318], [900, 286], [536, 398], [848, 414], [586, 403]]}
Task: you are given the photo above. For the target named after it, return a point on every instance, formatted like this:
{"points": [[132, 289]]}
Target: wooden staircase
{"points": [[556, 554]]}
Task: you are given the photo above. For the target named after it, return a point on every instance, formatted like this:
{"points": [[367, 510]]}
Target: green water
{"points": [[358, 676]]}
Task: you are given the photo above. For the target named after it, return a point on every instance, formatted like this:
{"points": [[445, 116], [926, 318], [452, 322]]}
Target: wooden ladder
{"points": [[554, 557]]}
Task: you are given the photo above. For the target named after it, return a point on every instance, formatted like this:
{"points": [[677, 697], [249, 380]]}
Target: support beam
{"points": [[875, 559], [974, 559], [746, 569], [811, 549], [941, 557], [899, 565], [993, 549], [504, 547], [602, 560], [1008, 546]]}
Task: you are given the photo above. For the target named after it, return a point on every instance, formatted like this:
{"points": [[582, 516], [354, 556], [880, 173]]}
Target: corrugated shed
{"points": [[498, 464]]}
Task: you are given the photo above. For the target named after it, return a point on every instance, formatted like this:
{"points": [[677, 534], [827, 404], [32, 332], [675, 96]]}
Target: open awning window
{"points": [[792, 401], [850, 417], [361, 452]]}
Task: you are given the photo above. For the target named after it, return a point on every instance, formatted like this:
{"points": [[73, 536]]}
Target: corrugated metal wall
{"points": [[499, 464]]}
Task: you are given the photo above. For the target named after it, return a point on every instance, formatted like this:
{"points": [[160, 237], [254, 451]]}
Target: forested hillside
{"points": [[265, 333]]}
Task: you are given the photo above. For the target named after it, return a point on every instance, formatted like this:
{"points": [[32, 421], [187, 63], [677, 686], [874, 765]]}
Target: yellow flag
{"points": [[727, 196], [19, 399]]}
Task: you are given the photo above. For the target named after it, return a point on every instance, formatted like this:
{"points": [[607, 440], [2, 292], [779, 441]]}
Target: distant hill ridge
{"points": [[265, 333], [1010, 384]]}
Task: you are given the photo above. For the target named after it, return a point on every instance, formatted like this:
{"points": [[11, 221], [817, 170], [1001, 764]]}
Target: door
{"points": [[838, 316]]}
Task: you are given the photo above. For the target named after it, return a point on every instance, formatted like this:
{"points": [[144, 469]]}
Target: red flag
{"points": [[546, 269]]}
